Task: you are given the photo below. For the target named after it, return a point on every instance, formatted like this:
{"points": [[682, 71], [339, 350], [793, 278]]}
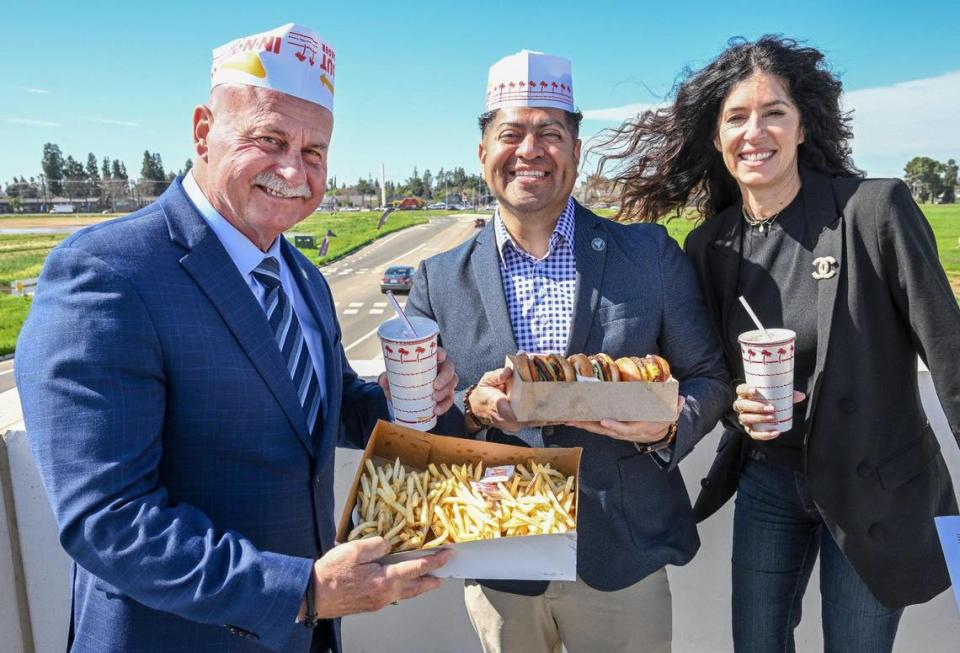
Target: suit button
{"points": [[847, 405], [864, 470], [876, 531], [705, 483]]}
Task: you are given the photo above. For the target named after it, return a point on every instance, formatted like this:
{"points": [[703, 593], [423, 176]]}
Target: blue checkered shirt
{"points": [[540, 292]]}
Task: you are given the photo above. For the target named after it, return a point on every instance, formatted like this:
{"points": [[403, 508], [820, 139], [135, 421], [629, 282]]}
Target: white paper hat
{"points": [[291, 59], [530, 79]]}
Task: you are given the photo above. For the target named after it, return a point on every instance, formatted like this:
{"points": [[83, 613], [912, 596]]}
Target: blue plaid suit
{"points": [[170, 440], [636, 294]]}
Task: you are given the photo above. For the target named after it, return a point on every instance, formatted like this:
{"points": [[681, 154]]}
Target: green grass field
{"points": [[13, 311], [22, 256]]}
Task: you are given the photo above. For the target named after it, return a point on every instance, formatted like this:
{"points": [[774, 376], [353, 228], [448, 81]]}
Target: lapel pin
{"points": [[598, 244], [825, 267]]}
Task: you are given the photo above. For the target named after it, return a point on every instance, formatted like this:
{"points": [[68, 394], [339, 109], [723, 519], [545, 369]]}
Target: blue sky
{"points": [[118, 78]]}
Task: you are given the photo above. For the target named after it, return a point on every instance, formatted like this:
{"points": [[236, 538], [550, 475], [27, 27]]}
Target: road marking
{"points": [[11, 371], [356, 304], [406, 254], [351, 311], [376, 311], [379, 304], [362, 339]]}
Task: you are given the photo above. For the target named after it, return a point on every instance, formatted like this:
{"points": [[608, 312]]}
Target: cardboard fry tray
{"points": [[525, 557], [543, 402]]}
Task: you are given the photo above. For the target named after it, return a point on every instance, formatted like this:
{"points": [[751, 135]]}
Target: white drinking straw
{"points": [[397, 308], [753, 316]]}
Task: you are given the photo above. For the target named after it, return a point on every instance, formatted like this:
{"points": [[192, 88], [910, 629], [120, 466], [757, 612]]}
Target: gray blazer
{"points": [[636, 293], [872, 461]]}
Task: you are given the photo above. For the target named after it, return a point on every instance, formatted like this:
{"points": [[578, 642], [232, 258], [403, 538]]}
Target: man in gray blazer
{"points": [[547, 275]]}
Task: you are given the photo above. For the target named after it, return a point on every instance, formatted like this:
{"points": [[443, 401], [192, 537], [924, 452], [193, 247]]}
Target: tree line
{"points": [[452, 186], [930, 180], [103, 181]]}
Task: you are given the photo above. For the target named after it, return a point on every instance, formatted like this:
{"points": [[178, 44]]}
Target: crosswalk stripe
{"points": [[350, 311], [356, 304], [376, 311]]}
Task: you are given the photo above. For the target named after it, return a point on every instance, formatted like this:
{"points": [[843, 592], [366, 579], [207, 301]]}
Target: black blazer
{"points": [[636, 293], [872, 462]]}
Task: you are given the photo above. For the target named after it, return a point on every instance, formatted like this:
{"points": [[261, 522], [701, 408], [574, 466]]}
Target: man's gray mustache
{"points": [[277, 185]]}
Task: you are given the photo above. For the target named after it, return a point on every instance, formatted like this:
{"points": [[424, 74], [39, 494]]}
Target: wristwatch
{"points": [[659, 445]]}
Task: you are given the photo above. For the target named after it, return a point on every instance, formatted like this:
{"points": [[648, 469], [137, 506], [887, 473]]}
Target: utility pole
{"points": [[383, 187]]}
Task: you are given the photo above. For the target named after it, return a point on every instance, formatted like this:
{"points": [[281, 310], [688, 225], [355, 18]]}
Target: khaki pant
{"points": [[637, 619]]}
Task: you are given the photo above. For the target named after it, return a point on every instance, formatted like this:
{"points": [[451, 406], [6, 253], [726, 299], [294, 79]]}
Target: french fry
{"points": [[457, 503]]}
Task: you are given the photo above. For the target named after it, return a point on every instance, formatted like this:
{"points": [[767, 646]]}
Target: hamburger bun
{"points": [[610, 367], [629, 369], [568, 374], [581, 365], [653, 368], [522, 364]]}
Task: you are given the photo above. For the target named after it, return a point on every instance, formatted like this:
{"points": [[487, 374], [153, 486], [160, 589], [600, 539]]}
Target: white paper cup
{"points": [[768, 367], [411, 362]]}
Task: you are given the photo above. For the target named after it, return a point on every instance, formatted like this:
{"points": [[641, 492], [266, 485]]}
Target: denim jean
{"points": [[777, 534]]}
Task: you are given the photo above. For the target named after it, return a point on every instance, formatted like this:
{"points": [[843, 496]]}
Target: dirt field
{"points": [[35, 221]]}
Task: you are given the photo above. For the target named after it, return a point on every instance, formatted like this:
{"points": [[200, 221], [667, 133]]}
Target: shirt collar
{"points": [[244, 254], [563, 232]]}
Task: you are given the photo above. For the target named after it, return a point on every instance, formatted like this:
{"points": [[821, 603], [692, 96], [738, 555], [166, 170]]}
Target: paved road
{"points": [[6, 375], [355, 280]]}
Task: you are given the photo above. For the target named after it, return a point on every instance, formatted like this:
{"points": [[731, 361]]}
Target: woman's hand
{"points": [[753, 411]]}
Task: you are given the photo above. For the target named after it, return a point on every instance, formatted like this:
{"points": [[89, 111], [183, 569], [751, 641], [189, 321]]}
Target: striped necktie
{"points": [[286, 329]]}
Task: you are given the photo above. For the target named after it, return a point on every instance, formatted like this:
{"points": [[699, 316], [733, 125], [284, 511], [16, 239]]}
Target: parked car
{"points": [[398, 278], [437, 206], [479, 223]]}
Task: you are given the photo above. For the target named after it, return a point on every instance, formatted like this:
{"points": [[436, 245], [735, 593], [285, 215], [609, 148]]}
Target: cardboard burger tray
{"points": [[526, 557], [543, 402]]}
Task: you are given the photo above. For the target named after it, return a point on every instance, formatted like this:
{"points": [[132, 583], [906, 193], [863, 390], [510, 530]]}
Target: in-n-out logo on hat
{"points": [[290, 59], [530, 79]]}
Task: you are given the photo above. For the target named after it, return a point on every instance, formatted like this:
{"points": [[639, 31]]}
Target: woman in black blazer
{"points": [[756, 141]]}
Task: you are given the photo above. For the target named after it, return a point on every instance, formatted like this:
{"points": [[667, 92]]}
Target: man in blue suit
{"points": [[184, 387], [547, 275]]}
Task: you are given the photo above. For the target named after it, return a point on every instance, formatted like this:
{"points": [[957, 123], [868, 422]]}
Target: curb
{"points": [[7, 357]]}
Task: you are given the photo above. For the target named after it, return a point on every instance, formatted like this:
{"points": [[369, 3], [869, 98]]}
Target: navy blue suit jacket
{"points": [[170, 440], [636, 294]]}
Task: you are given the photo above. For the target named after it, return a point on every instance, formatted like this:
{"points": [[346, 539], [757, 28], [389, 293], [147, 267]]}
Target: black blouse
{"points": [[775, 277]]}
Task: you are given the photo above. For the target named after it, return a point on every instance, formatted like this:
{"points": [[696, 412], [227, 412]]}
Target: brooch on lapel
{"points": [[598, 244], [825, 267]]}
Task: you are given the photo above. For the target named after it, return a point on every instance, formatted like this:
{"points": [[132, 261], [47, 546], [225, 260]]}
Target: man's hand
{"points": [[490, 404], [443, 386], [642, 432], [753, 410], [348, 579]]}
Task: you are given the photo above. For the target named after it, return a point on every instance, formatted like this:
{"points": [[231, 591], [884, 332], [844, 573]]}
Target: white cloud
{"points": [[119, 123], [38, 91], [30, 122], [619, 114], [898, 122]]}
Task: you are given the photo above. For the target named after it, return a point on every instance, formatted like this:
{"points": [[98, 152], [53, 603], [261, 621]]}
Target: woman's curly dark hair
{"points": [[665, 159]]}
